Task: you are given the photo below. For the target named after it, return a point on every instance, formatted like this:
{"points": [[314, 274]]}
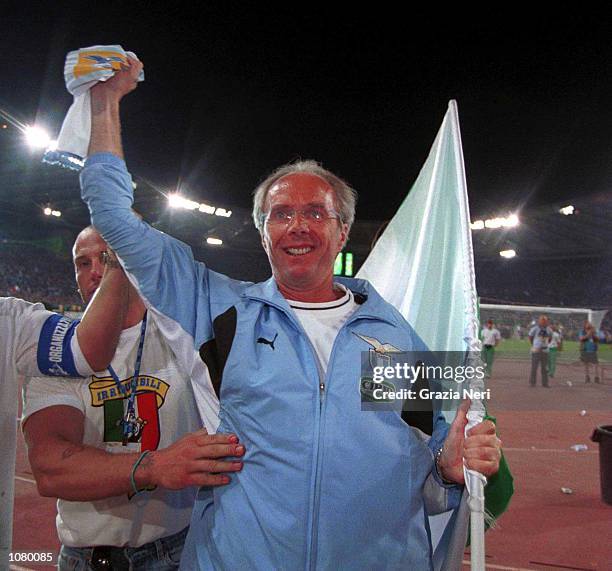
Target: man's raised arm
{"points": [[99, 331], [105, 120], [159, 264]]}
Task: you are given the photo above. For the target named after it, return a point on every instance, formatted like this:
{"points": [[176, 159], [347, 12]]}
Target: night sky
{"points": [[232, 92]]}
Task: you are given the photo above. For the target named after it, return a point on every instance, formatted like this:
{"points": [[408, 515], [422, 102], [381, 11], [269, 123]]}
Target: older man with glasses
{"points": [[324, 484]]}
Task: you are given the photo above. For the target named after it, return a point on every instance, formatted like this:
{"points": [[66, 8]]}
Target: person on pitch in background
{"points": [[589, 343], [490, 339], [36, 341], [540, 336], [284, 356], [104, 445]]}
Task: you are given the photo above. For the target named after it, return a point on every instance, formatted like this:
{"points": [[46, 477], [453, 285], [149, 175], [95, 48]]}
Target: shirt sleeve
{"points": [[449, 494], [453, 491], [41, 392], [46, 343], [162, 268]]}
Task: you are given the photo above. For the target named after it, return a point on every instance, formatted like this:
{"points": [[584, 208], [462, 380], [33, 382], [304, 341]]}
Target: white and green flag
{"points": [[423, 264]]}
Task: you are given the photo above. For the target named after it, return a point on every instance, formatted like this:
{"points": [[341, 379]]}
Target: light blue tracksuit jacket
{"points": [[325, 485]]}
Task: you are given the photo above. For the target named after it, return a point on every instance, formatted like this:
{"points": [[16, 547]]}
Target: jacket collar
{"points": [[371, 304]]}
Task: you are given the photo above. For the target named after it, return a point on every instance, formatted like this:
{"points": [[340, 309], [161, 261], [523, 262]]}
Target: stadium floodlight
{"points": [[178, 201], [214, 241], [493, 223], [223, 212], [174, 201], [207, 209], [509, 221], [567, 210], [477, 225], [507, 254], [48, 211], [512, 221], [36, 137]]}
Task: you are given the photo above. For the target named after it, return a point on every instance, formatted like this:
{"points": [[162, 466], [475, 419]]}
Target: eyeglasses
{"points": [[312, 214]]}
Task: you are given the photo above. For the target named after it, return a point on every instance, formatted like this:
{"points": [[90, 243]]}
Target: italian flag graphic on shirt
{"points": [[150, 397]]}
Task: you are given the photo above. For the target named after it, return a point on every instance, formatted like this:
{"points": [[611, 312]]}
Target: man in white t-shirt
{"points": [[540, 336], [490, 339], [35, 341], [104, 445]]}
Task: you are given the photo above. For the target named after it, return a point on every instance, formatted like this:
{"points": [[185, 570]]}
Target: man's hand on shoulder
{"points": [[193, 460], [481, 448]]}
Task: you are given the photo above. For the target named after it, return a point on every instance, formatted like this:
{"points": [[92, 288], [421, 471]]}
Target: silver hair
{"points": [[345, 197]]}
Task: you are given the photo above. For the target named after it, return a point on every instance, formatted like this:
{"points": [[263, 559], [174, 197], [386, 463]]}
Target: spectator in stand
{"points": [[589, 343], [490, 339], [540, 336], [555, 345]]}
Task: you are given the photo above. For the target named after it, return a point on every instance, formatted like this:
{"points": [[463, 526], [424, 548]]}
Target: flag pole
{"points": [[474, 481]]}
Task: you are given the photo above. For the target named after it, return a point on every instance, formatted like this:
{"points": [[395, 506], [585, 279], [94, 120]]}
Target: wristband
{"points": [[134, 468], [109, 259]]}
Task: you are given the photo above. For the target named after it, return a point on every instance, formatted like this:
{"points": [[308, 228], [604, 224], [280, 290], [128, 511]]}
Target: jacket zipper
{"points": [[323, 386]]}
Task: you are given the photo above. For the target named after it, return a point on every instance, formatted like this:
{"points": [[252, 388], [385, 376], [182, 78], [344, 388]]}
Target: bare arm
{"points": [[99, 331], [66, 468], [105, 120]]}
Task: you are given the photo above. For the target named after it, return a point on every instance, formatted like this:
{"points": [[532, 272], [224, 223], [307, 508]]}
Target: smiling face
{"points": [[87, 258], [302, 252]]}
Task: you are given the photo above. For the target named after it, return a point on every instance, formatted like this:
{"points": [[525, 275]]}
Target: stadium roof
{"points": [[27, 185]]}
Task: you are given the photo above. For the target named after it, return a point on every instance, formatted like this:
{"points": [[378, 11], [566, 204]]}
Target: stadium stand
{"points": [[35, 274], [582, 282]]}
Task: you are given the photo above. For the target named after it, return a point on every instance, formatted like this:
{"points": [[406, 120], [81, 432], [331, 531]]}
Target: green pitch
{"points": [[519, 349]]}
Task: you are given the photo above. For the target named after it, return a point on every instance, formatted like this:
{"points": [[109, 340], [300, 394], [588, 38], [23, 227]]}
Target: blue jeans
{"points": [[160, 555]]}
